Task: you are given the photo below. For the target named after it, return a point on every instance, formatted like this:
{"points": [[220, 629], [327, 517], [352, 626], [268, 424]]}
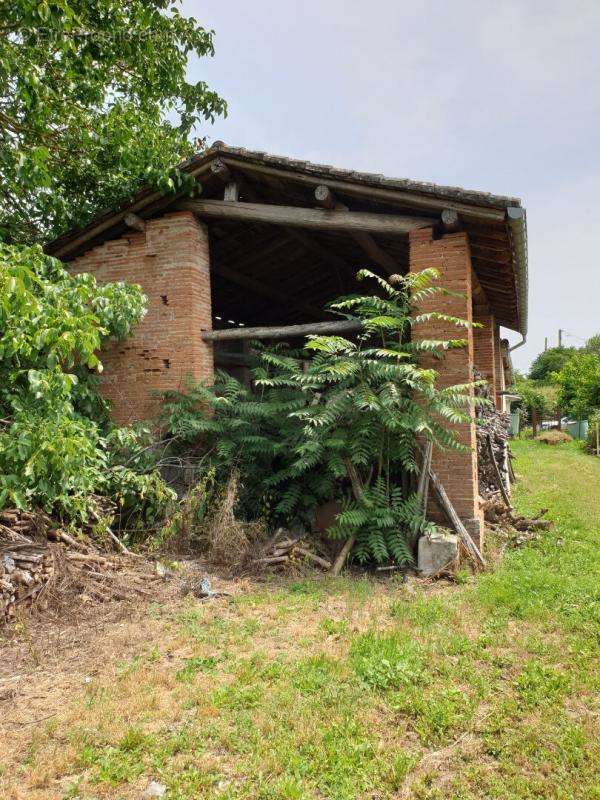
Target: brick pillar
{"points": [[500, 381], [484, 343], [457, 471], [170, 260]]}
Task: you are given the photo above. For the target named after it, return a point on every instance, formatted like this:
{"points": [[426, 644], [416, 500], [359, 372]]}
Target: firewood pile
{"points": [[290, 549], [41, 564], [517, 529], [492, 437]]}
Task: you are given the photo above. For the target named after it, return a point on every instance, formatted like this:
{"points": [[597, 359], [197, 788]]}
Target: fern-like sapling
{"points": [[339, 419]]}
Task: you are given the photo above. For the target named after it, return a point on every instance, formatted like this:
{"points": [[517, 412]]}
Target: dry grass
{"points": [[231, 541], [554, 437]]}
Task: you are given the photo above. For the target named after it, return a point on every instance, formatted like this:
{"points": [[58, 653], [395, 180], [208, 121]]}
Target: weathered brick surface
{"points": [[170, 260], [451, 257], [484, 341], [500, 379]]}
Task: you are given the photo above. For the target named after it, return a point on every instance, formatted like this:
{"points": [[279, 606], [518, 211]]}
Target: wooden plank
{"points": [[283, 332], [311, 218], [499, 478]]}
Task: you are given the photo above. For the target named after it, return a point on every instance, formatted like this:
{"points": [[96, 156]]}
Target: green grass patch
{"points": [[349, 688]]}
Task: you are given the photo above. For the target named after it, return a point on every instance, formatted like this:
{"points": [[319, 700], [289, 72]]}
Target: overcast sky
{"points": [[503, 97]]}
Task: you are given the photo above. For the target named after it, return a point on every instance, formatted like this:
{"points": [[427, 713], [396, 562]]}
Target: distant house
{"points": [[270, 240]]}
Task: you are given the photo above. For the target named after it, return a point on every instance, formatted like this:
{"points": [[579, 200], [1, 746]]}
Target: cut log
{"points": [[450, 220], [133, 221], [324, 197], [312, 218], [220, 170], [423, 487], [343, 555], [322, 562], [284, 332]]}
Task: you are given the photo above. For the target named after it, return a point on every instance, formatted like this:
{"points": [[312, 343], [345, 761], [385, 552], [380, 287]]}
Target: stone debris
{"points": [[437, 551]]}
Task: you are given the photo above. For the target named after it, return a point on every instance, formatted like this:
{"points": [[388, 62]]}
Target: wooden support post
{"points": [[231, 192]]}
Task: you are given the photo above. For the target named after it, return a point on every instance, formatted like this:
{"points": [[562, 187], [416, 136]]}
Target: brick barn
{"points": [[269, 241]]}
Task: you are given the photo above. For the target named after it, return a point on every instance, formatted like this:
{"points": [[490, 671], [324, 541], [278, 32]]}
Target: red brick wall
{"points": [[500, 380], [450, 255], [484, 340], [170, 260]]}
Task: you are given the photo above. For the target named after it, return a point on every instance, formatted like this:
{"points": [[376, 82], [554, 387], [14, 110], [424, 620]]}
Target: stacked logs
{"points": [[288, 549], [39, 561], [518, 529], [24, 573], [492, 437]]}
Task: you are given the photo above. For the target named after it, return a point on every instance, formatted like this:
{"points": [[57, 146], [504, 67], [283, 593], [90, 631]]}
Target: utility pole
{"points": [[560, 333], [545, 344]]}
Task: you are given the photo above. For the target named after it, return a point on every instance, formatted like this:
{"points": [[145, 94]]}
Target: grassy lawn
{"points": [[356, 688]]}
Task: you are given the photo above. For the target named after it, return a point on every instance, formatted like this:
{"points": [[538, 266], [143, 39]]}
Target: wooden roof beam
{"points": [[369, 192], [325, 198], [310, 218]]}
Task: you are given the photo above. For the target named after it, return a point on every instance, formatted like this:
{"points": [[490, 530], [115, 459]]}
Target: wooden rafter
{"points": [[262, 289], [326, 198]]}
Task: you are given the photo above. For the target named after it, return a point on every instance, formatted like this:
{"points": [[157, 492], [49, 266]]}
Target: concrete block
{"points": [[435, 551]]}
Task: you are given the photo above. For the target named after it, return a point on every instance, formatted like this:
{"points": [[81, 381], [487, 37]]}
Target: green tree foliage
{"points": [[593, 344], [56, 445], [86, 87], [537, 397], [550, 361], [579, 384], [338, 419], [593, 431]]}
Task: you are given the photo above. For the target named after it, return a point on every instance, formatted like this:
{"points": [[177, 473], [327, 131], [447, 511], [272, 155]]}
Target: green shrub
{"points": [[338, 419], [57, 448], [594, 422]]}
